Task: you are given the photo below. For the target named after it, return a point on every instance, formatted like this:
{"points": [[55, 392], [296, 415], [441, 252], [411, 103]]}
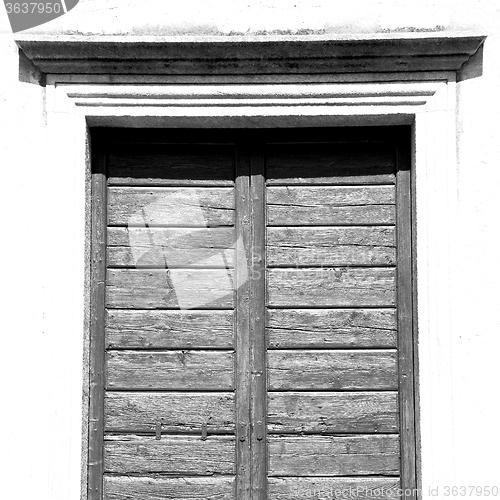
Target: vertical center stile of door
{"points": [[257, 326], [242, 334]]}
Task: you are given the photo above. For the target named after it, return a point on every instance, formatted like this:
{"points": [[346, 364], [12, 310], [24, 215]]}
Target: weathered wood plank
{"points": [[160, 488], [334, 328], [361, 488], [174, 455], [331, 246], [333, 456], [171, 164], [169, 329], [179, 370], [243, 383], [170, 247], [333, 412], [324, 206], [315, 370], [192, 207], [333, 163], [405, 322], [179, 412], [258, 408], [170, 288], [331, 287], [97, 325]]}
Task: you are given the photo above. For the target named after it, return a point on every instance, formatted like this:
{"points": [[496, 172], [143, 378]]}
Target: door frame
{"points": [[250, 185], [425, 98], [407, 373]]}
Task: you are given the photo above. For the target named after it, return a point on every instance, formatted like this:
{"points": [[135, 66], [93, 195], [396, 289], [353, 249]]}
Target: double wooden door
{"points": [[251, 315]]}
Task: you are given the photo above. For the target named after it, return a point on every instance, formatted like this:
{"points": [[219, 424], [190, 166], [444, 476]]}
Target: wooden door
{"points": [[251, 315]]}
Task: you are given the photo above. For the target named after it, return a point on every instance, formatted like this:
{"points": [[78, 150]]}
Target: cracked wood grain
{"points": [[157, 206], [150, 329], [257, 324], [171, 164], [174, 370], [330, 163], [170, 288], [172, 455], [333, 412], [159, 488], [243, 382], [332, 370], [347, 456], [331, 328], [405, 322], [179, 412], [364, 488], [171, 247], [97, 325], [327, 205], [331, 287], [331, 246]]}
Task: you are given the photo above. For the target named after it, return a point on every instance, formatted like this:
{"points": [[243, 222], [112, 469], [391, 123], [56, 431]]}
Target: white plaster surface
{"points": [[42, 248]]}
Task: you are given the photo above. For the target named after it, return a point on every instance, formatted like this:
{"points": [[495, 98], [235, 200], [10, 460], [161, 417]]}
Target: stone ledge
{"points": [[238, 55]]}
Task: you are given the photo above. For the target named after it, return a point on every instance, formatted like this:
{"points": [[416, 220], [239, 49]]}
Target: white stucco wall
{"points": [[43, 241]]}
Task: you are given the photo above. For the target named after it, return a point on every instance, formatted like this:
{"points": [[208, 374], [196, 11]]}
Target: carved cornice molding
{"points": [[248, 105]]}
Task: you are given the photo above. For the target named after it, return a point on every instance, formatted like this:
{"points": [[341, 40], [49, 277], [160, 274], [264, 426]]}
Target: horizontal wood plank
{"points": [[170, 164], [176, 370], [331, 287], [331, 328], [333, 163], [333, 412], [151, 329], [170, 247], [178, 412], [324, 206], [173, 455], [361, 488], [331, 370], [170, 288], [333, 456], [331, 246], [171, 488], [192, 207]]}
